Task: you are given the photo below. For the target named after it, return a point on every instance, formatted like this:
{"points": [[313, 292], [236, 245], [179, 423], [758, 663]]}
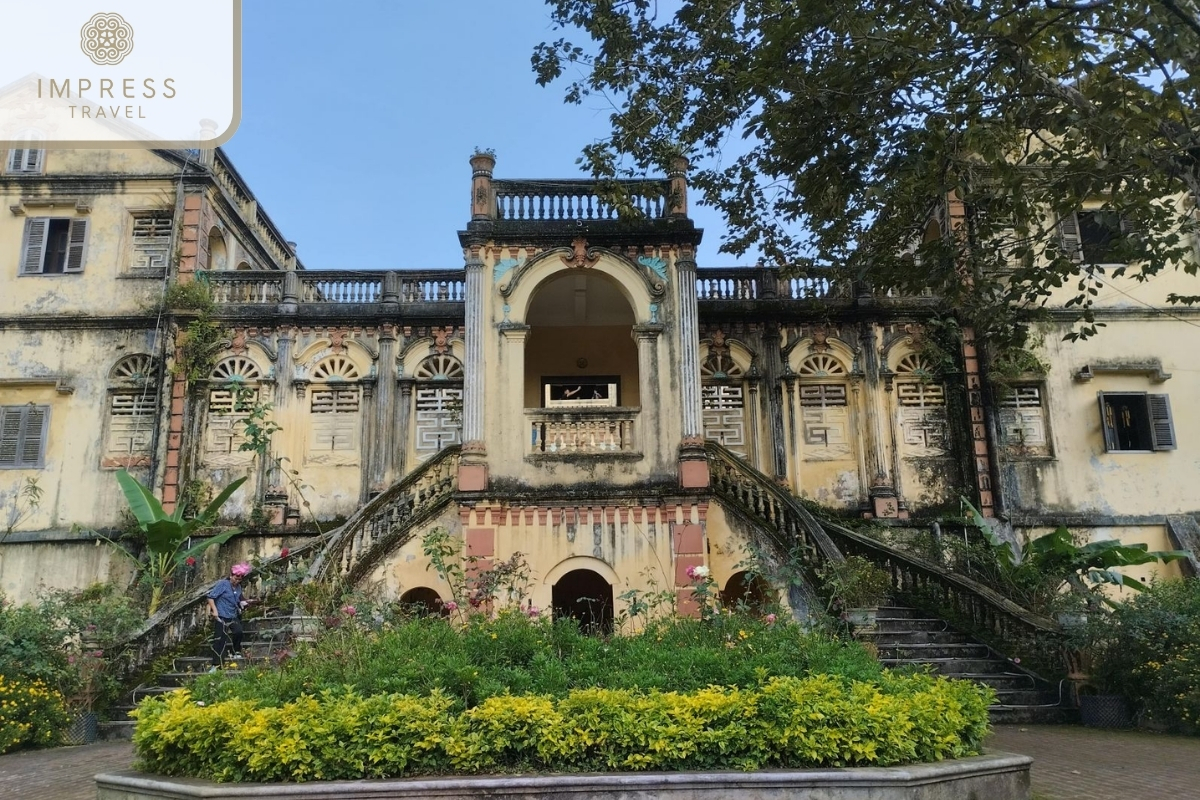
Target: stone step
{"points": [[897, 612], [1000, 681], [115, 730], [926, 652], [1026, 697], [889, 638], [908, 624], [1036, 715], [949, 666]]}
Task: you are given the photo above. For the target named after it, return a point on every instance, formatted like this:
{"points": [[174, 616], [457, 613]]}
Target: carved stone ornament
{"points": [[580, 256], [718, 341], [337, 340], [916, 333], [820, 339], [238, 344], [440, 338]]}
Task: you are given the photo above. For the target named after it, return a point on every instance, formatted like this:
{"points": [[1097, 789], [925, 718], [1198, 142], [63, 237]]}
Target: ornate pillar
{"points": [[646, 337], [385, 393], [693, 465], [773, 375], [472, 470], [884, 501], [403, 412]]}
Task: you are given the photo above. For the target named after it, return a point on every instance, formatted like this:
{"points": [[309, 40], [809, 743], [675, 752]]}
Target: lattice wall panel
{"points": [[724, 416], [131, 423], [439, 419], [923, 432]]}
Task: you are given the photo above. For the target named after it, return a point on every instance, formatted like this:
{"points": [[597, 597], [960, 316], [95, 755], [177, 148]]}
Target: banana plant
{"points": [[167, 535]]}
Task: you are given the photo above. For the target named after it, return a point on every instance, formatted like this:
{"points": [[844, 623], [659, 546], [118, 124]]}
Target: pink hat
{"points": [[241, 570]]}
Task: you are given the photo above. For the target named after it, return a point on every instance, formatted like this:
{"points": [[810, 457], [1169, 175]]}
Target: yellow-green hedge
{"points": [[31, 713], [820, 721]]}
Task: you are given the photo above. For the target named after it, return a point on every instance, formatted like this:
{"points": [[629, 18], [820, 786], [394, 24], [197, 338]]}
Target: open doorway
{"points": [[586, 597], [748, 593]]}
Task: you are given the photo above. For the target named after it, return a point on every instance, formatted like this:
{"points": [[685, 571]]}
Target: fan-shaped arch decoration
{"points": [[236, 369], [821, 365], [719, 365], [439, 368], [139, 368], [914, 364], [334, 369]]}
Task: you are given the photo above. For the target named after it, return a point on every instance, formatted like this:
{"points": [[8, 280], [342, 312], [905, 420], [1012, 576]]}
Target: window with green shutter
{"points": [[23, 436]]}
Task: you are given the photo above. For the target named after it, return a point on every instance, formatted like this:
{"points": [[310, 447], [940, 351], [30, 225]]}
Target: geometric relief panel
{"points": [[825, 419], [1023, 420], [724, 416], [923, 431], [439, 419]]}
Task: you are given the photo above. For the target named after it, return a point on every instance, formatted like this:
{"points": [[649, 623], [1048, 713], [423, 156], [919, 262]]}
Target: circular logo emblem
{"points": [[106, 39]]}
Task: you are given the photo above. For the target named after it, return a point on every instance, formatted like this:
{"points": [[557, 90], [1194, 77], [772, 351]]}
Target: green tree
{"points": [[857, 119]]}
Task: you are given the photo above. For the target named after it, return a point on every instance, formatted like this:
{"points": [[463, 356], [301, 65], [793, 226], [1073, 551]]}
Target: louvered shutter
{"points": [[1107, 425], [1162, 427], [33, 161], [16, 160], [33, 250], [1068, 236], [34, 436], [76, 245], [10, 435]]}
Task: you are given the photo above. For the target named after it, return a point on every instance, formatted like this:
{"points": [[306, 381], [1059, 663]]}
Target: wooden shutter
{"points": [[1162, 427], [76, 246], [1107, 425], [34, 436], [33, 250], [16, 158], [1069, 238], [24, 160], [10, 435]]}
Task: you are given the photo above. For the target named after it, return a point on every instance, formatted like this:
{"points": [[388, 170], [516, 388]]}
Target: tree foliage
{"points": [[857, 120]]}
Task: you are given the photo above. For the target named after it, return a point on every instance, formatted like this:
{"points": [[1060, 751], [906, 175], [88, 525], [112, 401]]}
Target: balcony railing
{"points": [[582, 431], [338, 287], [759, 283], [542, 201]]}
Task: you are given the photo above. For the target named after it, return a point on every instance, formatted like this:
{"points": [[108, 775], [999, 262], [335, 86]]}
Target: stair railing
{"points": [[795, 530], [354, 549]]}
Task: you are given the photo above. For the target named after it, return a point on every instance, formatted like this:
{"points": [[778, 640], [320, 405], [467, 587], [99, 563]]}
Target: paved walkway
{"points": [[1070, 763]]}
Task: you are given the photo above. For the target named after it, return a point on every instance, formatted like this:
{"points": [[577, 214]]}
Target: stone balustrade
{"points": [[582, 431]]}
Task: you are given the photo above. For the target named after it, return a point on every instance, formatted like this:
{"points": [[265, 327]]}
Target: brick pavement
{"points": [[61, 773], [1071, 762]]}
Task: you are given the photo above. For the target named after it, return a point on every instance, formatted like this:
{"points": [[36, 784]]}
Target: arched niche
{"points": [[218, 251], [526, 281], [580, 341]]}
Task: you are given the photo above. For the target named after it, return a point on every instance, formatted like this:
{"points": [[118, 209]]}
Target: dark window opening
{"points": [[1136, 421], [423, 602], [58, 236], [748, 593]]}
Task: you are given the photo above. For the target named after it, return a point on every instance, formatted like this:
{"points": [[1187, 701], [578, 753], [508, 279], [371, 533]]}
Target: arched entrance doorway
{"points": [[423, 602], [585, 596], [747, 592]]}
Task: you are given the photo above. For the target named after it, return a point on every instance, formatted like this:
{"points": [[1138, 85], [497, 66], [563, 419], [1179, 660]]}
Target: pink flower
{"points": [[1016, 661], [284, 553], [190, 561], [770, 618], [533, 612], [451, 606], [98, 653], [241, 570], [349, 610]]}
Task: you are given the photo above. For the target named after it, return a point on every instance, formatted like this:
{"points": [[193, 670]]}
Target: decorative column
{"points": [[773, 375], [693, 464], [646, 337], [385, 393], [884, 501], [472, 470], [403, 413]]}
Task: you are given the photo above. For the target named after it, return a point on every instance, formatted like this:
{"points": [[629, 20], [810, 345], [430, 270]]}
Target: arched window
{"points": [[234, 385], [336, 406], [439, 396], [824, 407], [723, 397], [132, 411], [922, 408]]}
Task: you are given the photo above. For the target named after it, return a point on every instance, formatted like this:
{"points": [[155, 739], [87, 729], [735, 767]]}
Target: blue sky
{"points": [[358, 118]]}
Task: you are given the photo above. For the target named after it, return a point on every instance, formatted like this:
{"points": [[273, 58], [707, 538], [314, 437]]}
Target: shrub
{"points": [[1149, 650], [517, 655], [856, 582], [819, 721], [31, 714]]}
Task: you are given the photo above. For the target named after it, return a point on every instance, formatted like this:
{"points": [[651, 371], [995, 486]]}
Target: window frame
{"points": [[1070, 232], [39, 161], [75, 258], [1160, 423], [23, 434]]}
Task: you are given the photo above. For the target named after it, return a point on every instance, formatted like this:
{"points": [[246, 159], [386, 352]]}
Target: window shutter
{"points": [[1162, 427], [34, 248], [1107, 425], [77, 245], [16, 159], [35, 436], [33, 161], [10, 435], [1068, 236]]}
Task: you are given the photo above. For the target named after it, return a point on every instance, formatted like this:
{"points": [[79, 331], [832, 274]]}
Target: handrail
{"points": [[774, 508], [377, 527], [915, 577], [179, 621], [575, 199], [771, 506]]}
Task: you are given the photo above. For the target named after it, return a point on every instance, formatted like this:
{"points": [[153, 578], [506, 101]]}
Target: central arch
{"points": [[585, 596]]}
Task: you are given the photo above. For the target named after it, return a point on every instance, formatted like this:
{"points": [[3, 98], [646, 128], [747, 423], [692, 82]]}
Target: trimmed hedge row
{"points": [[819, 721]]}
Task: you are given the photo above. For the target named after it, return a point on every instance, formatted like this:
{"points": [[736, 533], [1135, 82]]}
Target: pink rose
{"points": [[349, 610], [190, 561], [533, 612], [770, 618], [452, 606], [284, 553]]}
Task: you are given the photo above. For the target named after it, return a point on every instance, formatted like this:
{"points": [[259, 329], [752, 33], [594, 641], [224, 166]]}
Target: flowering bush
{"points": [[788, 722], [31, 714]]}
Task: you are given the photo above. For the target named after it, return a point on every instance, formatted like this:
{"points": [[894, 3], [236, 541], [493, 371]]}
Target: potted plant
{"points": [[857, 587]]}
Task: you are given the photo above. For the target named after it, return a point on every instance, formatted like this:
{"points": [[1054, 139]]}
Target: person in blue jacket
{"points": [[225, 606]]}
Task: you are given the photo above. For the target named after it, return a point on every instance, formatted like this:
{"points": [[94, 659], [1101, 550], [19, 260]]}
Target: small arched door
{"points": [[585, 596]]}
